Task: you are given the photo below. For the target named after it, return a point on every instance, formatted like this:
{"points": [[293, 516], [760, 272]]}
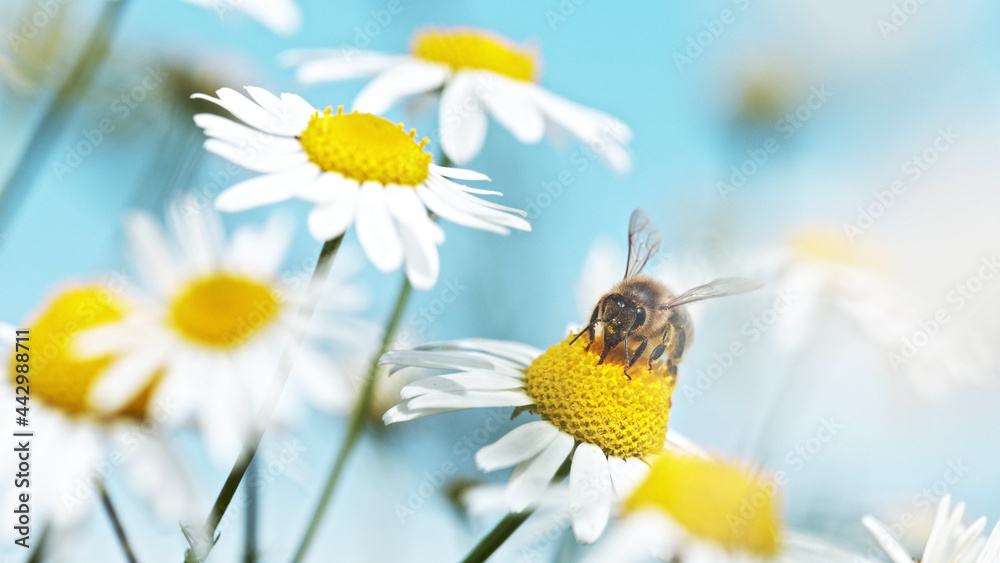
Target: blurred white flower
{"points": [[74, 446], [280, 16], [823, 273], [688, 507], [476, 71], [590, 412], [950, 541], [354, 167], [216, 319]]}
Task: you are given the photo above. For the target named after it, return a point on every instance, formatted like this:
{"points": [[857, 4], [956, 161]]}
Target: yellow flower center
{"points": [[833, 247], [365, 147], [478, 50], [57, 376], [598, 404], [223, 310], [714, 501]]}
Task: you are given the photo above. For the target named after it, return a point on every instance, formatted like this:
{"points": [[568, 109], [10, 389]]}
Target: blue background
{"points": [[889, 97]]}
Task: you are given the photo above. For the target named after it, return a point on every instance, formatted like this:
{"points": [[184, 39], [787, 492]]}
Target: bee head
{"points": [[620, 316]]}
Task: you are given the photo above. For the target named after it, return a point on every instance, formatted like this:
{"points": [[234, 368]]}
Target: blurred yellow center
{"points": [[57, 376], [598, 404], [833, 247], [714, 501], [366, 148], [467, 49], [222, 310]]}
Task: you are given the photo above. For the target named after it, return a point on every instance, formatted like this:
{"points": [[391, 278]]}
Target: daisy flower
{"points": [[355, 167], [822, 273], [591, 413], [695, 508], [687, 507], [476, 71], [215, 320], [280, 16], [78, 445], [950, 541]]}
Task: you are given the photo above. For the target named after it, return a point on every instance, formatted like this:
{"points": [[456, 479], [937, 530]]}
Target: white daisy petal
{"points": [[967, 538], [456, 382], [279, 16], [246, 111], [633, 540], [458, 173], [298, 105], [199, 233], [329, 220], [433, 360], [518, 445], [470, 399], [264, 190], [376, 231], [590, 492], [459, 196], [398, 81], [944, 522], [332, 65], [419, 235], [106, 339], [258, 158], [463, 119], [532, 477], [328, 188], [289, 114], [403, 413], [446, 211], [150, 252], [627, 474], [127, 376], [513, 106], [886, 541], [605, 134], [242, 137], [523, 354], [484, 210], [991, 551]]}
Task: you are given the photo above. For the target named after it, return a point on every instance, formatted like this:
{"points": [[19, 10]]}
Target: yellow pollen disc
{"points": [[57, 376], [833, 247], [597, 404], [478, 50], [714, 501], [365, 147], [222, 310]]}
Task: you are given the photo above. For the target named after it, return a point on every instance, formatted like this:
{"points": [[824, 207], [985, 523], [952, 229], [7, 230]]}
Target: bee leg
{"points": [[604, 352], [662, 347], [589, 329], [655, 354], [628, 363], [638, 351]]}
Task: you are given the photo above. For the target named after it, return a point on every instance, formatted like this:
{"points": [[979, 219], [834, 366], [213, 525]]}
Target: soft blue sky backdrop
{"points": [[888, 97]]}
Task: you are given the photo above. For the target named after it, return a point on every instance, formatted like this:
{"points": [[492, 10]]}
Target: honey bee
{"points": [[643, 309]]}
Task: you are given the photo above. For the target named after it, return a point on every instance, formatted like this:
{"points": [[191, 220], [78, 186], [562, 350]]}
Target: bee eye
{"points": [[640, 317]]}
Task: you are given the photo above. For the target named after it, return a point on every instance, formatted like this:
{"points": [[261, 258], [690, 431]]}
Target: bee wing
{"points": [[643, 241], [720, 287]]}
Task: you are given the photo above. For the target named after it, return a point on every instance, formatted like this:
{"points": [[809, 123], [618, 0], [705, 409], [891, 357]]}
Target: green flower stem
{"points": [[355, 424], [250, 516], [58, 111], [509, 524], [206, 540], [38, 554], [113, 516], [497, 536]]}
